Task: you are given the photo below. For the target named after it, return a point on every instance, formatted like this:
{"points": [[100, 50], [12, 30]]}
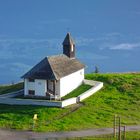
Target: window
{"points": [[31, 80], [31, 92], [72, 48]]}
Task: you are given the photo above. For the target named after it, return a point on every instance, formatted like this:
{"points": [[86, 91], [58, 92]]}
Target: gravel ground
{"points": [[29, 135]]}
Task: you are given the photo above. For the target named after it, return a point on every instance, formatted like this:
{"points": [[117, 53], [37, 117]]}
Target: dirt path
{"points": [[28, 135]]}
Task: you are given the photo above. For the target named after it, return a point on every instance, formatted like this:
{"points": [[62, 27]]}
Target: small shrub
{"points": [[110, 81], [136, 82], [125, 87]]}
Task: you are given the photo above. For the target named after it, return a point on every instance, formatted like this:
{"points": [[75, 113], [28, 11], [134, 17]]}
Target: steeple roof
{"points": [[68, 40]]}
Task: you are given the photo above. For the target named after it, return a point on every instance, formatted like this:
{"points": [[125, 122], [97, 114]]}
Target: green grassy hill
{"points": [[120, 95], [10, 88]]}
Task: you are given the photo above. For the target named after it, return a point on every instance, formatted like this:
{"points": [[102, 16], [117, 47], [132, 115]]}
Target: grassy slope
{"points": [[120, 95], [77, 91], [11, 88], [20, 117]]}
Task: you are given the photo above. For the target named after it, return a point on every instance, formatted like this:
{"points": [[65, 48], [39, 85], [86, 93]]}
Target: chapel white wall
{"points": [[40, 87], [70, 82]]}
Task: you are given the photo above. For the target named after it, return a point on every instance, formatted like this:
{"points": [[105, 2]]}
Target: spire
{"points": [[68, 40], [69, 46]]}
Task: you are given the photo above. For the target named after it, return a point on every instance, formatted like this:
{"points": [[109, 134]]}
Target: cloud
{"points": [[15, 66], [113, 34], [92, 56], [124, 46], [136, 12], [20, 66], [108, 37], [23, 48], [84, 41], [80, 41]]}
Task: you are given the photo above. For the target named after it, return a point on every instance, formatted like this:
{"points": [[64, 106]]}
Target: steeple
{"points": [[69, 46]]}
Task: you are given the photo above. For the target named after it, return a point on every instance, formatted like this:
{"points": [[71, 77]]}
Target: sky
{"points": [[106, 33]]}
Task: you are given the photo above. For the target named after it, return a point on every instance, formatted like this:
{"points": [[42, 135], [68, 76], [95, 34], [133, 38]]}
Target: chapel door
{"points": [[51, 86]]}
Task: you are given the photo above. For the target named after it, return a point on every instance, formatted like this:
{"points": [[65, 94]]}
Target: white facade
{"points": [[39, 86], [62, 87], [70, 82]]}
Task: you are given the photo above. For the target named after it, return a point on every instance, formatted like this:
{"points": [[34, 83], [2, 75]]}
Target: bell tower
{"points": [[69, 46]]}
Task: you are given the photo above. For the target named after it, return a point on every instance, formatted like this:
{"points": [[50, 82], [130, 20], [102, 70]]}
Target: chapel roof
{"points": [[54, 68]]}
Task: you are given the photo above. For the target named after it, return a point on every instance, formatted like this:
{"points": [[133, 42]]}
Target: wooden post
{"points": [[119, 131], [115, 126], [124, 132], [54, 89], [47, 85]]}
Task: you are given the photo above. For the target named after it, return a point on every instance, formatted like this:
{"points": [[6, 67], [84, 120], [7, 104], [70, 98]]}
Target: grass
{"points": [[77, 91], [10, 88], [120, 95], [21, 117]]}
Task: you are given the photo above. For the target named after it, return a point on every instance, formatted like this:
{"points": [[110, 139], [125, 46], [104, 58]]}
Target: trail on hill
{"points": [[29, 135], [73, 109]]}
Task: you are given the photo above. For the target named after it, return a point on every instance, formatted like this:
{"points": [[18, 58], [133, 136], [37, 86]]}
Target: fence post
{"points": [[124, 132], [115, 126], [119, 131]]}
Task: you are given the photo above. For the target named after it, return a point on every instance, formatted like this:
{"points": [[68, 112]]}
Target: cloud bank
{"points": [[124, 46]]}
